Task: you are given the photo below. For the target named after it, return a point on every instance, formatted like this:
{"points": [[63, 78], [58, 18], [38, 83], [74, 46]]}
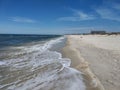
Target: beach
{"points": [[97, 57], [49, 62]]}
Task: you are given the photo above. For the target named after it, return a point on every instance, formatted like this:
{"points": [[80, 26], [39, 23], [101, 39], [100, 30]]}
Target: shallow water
{"points": [[37, 66]]}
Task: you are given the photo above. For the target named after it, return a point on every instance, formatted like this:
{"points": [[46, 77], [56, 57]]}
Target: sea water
{"points": [[34, 62]]}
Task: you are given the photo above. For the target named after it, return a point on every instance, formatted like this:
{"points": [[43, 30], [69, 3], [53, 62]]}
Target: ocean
{"points": [[35, 62]]}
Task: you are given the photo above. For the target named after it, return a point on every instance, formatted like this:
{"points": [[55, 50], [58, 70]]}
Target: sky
{"points": [[58, 16]]}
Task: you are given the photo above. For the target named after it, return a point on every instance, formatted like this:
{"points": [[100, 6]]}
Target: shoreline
{"points": [[79, 63], [97, 57]]}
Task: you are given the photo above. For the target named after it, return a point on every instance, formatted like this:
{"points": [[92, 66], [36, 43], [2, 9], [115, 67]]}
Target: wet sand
{"points": [[97, 57]]}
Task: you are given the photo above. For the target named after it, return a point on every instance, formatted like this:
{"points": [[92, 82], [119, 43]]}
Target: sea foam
{"points": [[2, 63], [41, 69]]}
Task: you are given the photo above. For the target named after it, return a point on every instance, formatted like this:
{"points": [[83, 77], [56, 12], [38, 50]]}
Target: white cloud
{"points": [[22, 19], [82, 15], [77, 16], [109, 14], [116, 6], [111, 4], [110, 10]]}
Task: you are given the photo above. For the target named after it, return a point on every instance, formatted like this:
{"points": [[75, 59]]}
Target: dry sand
{"points": [[97, 57]]}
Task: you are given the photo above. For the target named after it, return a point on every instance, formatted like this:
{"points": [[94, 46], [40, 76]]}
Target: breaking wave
{"points": [[36, 67]]}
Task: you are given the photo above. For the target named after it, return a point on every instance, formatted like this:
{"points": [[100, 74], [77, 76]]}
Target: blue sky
{"points": [[58, 16]]}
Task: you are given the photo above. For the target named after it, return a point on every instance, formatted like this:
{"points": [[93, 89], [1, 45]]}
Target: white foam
{"points": [[2, 63], [49, 71], [67, 79], [49, 44], [40, 47]]}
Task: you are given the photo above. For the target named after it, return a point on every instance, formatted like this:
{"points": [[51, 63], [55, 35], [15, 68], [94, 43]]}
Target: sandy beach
{"points": [[97, 57]]}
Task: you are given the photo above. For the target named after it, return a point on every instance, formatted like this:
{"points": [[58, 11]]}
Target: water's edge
{"points": [[38, 67]]}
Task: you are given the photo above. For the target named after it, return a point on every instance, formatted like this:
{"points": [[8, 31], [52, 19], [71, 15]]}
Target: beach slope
{"points": [[97, 57]]}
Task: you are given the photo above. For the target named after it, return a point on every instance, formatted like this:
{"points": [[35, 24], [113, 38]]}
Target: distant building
{"points": [[98, 32], [115, 33]]}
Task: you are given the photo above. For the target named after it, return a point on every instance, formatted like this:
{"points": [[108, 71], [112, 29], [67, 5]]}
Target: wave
{"points": [[38, 68]]}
